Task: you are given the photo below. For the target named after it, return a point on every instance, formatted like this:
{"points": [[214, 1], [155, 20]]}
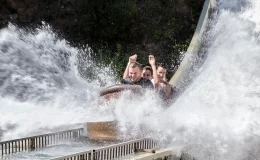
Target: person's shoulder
{"points": [[145, 80], [126, 81]]}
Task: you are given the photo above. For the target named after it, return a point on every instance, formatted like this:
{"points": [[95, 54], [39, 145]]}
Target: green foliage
{"points": [[195, 6], [151, 27], [105, 21], [116, 29]]}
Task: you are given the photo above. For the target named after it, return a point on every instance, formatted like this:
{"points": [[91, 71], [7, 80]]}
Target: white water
{"points": [[40, 84], [217, 117], [53, 151]]}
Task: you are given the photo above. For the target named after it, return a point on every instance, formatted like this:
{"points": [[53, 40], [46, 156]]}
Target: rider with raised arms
{"points": [[133, 73]]}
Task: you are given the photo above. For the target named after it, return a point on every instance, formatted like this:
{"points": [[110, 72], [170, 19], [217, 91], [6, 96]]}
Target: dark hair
{"points": [[160, 65], [142, 65], [149, 69]]}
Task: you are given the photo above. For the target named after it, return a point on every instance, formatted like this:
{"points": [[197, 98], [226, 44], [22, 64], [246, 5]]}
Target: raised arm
{"points": [[168, 89], [155, 75], [131, 60]]}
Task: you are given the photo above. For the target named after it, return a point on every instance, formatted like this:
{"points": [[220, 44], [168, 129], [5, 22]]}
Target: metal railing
{"points": [[113, 151], [39, 141]]}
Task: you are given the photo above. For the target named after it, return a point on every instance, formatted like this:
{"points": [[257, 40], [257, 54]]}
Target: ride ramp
{"points": [[185, 71]]}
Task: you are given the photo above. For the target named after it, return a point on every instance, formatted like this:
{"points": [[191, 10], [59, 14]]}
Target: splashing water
{"points": [[217, 117], [40, 83]]}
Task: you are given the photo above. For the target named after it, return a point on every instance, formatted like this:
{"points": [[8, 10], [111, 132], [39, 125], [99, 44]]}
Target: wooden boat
{"points": [[107, 130]]}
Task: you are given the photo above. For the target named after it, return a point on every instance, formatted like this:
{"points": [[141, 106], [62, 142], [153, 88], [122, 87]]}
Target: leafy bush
{"points": [[116, 29]]}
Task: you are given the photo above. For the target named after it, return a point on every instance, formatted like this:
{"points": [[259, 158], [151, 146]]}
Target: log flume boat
{"points": [[107, 130]]}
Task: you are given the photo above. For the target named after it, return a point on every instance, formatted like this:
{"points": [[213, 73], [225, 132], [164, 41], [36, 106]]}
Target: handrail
{"points": [[112, 151], [181, 76], [39, 141]]}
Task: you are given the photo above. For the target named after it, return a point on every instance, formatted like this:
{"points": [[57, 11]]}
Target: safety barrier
{"points": [[34, 142], [182, 75], [113, 151]]}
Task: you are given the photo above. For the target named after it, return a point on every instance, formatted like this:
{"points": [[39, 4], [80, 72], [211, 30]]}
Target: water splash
{"points": [[217, 117], [40, 82]]}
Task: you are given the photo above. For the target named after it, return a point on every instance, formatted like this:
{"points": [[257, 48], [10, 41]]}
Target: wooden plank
{"points": [[102, 130]]}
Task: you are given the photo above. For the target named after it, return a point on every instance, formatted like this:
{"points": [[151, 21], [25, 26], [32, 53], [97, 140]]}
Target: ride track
{"points": [[183, 75]]}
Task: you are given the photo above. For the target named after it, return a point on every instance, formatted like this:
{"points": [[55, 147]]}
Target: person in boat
{"points": [[147, 72], [134, 76], [165, 89], [148, 69]]}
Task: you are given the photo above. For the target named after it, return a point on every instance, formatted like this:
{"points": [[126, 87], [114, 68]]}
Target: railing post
{"points": [[74, 134], [81, 157], [9, 147], [135, 147], [32, 145], [93, 155], [89, 156], [2, 149]]}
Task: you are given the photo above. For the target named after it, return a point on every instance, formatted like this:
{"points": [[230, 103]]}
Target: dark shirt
{"points": [[143, 82]]}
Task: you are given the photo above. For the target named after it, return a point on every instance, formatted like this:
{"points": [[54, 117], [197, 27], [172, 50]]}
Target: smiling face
{"points": [[147, 74], [134, 73], [161, 73]]}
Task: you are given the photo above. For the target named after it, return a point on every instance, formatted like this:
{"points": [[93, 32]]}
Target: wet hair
{"points": [[135, 64], [160, 65], [148, 68], [142, 65]]}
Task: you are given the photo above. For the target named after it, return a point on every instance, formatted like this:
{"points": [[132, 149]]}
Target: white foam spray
{"points": [[217, 117], [40, 84]]}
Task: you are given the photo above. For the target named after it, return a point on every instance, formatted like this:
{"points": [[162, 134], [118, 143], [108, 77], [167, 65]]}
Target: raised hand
{"points": [[132, 58], [151, 60]]}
